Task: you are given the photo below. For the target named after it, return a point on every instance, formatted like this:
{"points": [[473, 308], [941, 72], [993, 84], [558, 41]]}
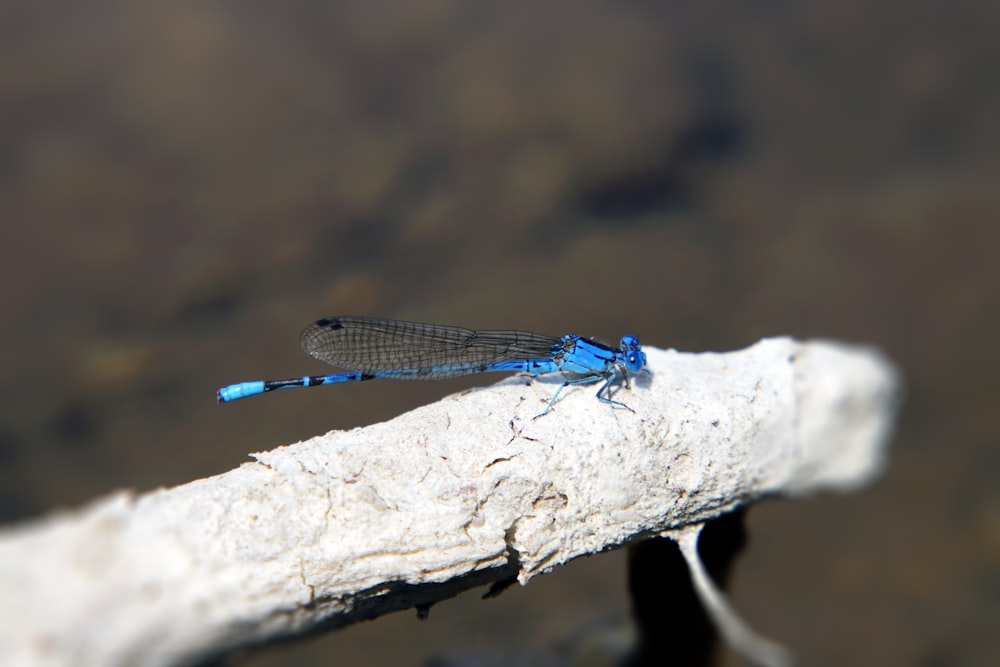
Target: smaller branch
{"points": [[757, 649], [473, 489]]}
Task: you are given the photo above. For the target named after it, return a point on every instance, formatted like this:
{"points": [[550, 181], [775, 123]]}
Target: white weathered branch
{"points": [[469, 490]]}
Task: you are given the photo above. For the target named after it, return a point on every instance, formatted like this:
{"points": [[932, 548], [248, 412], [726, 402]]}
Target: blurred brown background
{"points": [[185, 185]]}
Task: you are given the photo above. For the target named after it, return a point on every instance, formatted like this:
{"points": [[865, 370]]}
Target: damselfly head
{"points": [[635, 358]]}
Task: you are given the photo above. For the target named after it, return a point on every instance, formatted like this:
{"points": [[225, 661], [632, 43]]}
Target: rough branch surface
{"points": [[469, 490]]}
